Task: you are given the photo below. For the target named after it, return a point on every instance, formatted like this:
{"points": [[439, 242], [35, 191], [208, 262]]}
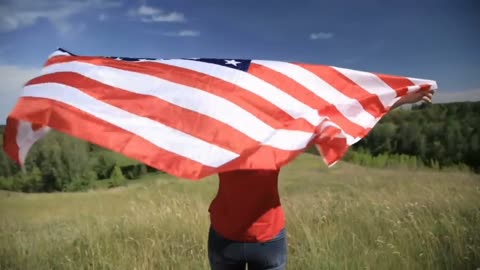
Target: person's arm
{"points": [[421, 95]]}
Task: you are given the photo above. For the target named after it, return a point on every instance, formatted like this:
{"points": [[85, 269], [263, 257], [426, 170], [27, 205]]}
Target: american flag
{"points": [[195, 117]]}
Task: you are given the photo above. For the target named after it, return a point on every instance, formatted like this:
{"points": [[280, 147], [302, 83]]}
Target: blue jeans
{"points": [[225, 254]]}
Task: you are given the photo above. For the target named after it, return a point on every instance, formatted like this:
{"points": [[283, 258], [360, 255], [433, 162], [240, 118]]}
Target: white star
{"points": [[231, 62]]}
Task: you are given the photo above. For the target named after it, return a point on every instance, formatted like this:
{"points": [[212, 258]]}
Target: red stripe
{"points": [[331, 147], [399, 84], [264, 158], [75, 122], [306, 96], [334, 150], [370, 102], [204, 127], [259, 107], [36, 127], [10, 139]]}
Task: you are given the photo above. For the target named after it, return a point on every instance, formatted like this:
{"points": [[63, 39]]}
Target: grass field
{"points": [[346, 217]]}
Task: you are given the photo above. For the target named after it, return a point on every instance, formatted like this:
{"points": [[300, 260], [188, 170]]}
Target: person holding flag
{"points": [[247, 219], [242, 119]]}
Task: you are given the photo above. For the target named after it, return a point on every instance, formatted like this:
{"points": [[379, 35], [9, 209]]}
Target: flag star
{"points": [[231, 62]]}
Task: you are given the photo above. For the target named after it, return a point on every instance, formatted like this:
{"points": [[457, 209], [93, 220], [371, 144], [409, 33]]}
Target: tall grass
{"points": [[346, 217]]}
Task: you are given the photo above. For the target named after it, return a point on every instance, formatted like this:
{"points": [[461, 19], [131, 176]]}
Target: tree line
{"points": [[438, 136], [62, 163]]}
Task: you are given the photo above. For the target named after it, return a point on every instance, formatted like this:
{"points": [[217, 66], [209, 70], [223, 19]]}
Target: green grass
{"points": [[346, 217]]}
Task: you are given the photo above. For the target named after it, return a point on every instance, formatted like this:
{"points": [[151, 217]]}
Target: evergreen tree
{"points": [[117, 178]]}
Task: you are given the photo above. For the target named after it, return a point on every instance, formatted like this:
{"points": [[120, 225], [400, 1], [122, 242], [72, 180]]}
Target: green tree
{"points": [[6, 183], [104, 166], [35, 180], [5, 167], [117, 178]]}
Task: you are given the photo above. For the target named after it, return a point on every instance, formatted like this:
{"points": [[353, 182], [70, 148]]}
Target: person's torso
{"points": [[247, 207]]}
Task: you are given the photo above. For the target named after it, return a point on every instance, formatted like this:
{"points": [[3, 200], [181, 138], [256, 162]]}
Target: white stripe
{"points": [[372, 84], [413, 88], [350, 140], [26, 137], [418, 81], [158, 134], [349, 107], [247, 81], [58, 53], [192, 99]]}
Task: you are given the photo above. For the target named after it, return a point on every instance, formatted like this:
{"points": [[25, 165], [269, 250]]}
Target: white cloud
{"points": [[102, 17], [13, 79], [456, 96], [183, 33], [321, 35], [148, 11], [17, 14], [150, 14]]}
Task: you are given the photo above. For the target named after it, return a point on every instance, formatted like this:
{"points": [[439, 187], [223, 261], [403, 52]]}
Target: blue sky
{"points": [[433, 39]]}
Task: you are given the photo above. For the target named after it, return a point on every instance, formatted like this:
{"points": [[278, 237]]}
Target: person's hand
{"points": [[420, 95], [414, 97]]}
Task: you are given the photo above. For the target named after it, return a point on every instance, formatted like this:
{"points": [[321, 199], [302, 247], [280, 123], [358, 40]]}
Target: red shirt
{"points": [[247, 206]]}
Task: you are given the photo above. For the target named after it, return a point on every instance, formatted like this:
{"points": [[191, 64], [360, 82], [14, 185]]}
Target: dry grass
{"points": [[347, 217]]}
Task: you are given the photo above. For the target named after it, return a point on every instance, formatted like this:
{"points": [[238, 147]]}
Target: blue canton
{"points": [[239, 64]]}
